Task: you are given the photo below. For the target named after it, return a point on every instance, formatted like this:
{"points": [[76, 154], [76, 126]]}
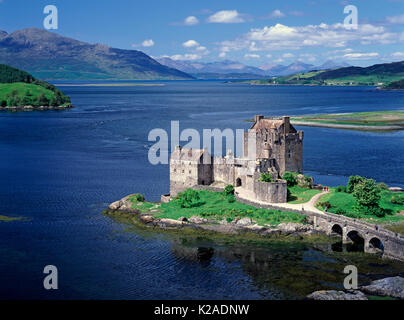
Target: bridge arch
{"points": [[336, 229], [375, 244], [357, 241]]}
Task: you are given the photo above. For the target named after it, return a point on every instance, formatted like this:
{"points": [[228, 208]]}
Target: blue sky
{"points": [[254, 32]]}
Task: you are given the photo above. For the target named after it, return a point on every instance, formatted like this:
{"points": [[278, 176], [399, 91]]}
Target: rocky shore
{"points": [[33, 108], [236, 226], [392, 287]]}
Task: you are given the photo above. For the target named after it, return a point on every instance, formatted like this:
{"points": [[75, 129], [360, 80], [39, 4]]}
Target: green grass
{"points": [[27, 93], [346, 202], [301, 195], [214, 205]]}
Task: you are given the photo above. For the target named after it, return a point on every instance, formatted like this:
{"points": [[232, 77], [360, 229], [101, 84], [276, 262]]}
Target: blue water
{"points": [[60, 169]]}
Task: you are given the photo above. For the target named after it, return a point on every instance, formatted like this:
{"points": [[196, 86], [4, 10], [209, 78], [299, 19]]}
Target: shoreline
{"points": [[36, 108], [236, 227]]}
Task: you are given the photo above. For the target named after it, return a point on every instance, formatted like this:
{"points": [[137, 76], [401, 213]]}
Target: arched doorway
{"points": [[358, 242], [238, 182]]}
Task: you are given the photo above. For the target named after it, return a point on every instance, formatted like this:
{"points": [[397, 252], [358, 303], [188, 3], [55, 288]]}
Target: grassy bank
{"points": [[342, 201], [301, 195], [216, 205]]}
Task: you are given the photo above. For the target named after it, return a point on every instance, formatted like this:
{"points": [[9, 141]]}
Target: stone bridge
{"points": [[351, 230], [357, 231]]}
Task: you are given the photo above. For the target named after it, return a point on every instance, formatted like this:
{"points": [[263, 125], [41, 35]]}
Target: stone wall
{"points": [[273, 192]]}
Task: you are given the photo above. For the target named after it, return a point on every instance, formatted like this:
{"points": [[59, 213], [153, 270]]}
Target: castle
{"points": [[278, 148]]}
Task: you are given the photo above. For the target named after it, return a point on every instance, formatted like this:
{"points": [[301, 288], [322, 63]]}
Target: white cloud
{"points": [[364, 56], [288, 55], [396, 19], [191, 21], [226, 16], [268, 55], [251, 56], [277, 14], [282, 37], [190, 44], [398, 55], [222, 54], [187, 56], [148, 43], [201, 48]]}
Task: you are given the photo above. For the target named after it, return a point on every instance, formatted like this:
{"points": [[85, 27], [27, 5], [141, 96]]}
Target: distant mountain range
{"points": [[235, 69], [385, 74], [48, 55]]}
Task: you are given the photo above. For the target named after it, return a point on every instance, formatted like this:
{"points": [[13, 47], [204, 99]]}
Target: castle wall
{"points": [[183, 175], [274, 192]]}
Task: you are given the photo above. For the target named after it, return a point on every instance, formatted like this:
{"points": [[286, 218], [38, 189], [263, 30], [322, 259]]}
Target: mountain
{"points": [[239, 70], [19, 89], [378, 74], [211, 68], [48, 55], [330, 64]]}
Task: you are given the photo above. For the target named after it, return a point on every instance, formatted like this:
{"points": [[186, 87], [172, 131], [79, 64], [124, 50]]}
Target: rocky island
{"points": [[269, 195]]}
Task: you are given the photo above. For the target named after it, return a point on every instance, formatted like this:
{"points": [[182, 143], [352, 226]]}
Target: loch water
{"points": [[60, 169]]}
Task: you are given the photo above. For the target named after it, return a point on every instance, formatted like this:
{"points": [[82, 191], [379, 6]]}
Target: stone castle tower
{"points": [[278, 148], [278, 140]]}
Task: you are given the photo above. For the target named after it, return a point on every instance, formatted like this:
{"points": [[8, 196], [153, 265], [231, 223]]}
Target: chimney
{"points": [[286, 122], [258, 118]]}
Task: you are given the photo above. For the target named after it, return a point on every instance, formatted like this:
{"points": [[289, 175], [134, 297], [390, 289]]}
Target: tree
{"points": [[43, 100], [189, 199], [367, 196], [353, 180], [229, 190], [290, 178]]}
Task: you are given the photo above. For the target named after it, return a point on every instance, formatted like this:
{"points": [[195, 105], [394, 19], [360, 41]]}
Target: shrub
{"points": [[138, 197], [229, 189], [353, 181], [3, 103], [341, 189], [231, 198], [397, 199], [367, 196], [189, 199], [325, 204], [291, 178], [382, 185], [340, 212], [266, 177]]}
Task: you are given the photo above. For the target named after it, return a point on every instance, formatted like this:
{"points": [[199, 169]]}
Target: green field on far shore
{"points": [[385, 120]]}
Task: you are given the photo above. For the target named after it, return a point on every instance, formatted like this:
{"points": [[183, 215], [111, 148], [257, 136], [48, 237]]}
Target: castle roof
{"points": [[188, 154], [267, 124], [273, 124]]}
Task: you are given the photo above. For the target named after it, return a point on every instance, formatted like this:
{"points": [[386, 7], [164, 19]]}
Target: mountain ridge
{"points": [[48, 55]]}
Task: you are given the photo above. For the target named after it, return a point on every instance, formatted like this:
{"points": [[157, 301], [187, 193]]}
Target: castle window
{"points": [[183, 171], [289, 154], [190, 171], [175, 170]]}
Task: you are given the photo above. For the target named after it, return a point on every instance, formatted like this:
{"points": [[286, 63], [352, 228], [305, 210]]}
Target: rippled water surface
{"points": [[59, 170]]}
